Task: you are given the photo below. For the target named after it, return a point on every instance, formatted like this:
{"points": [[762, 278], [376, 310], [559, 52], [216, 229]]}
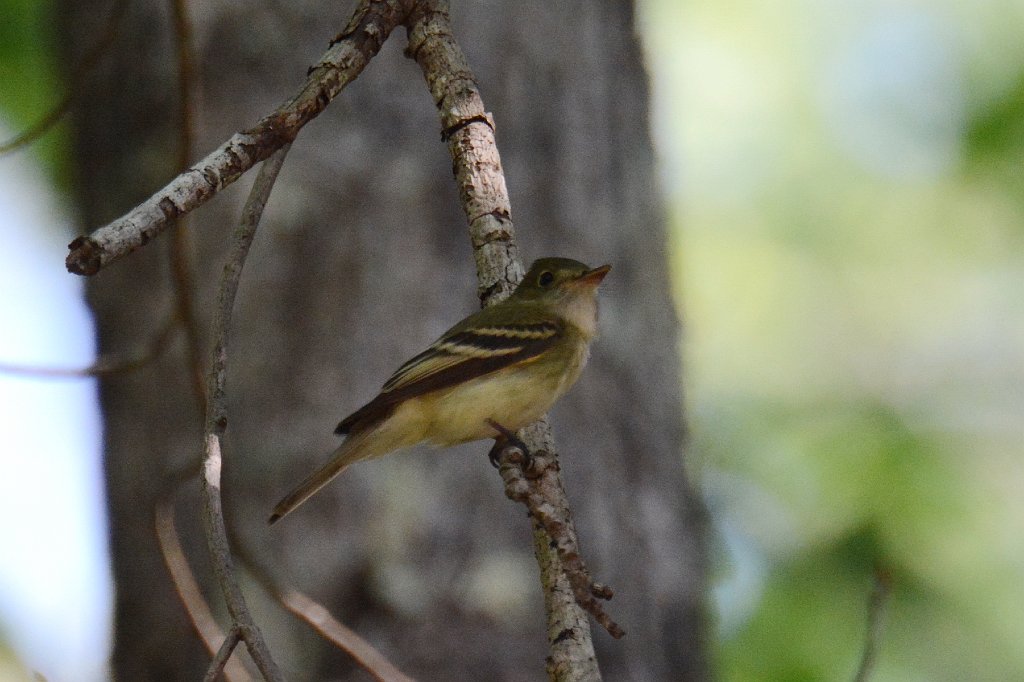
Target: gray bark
{"points": [[362, 260]]}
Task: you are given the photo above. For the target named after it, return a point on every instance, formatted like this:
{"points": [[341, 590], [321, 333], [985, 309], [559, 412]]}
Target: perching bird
{"points": [[496, 371]]}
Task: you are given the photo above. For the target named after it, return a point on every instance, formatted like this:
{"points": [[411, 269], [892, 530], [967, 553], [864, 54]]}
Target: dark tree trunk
{"points": [[363, 258]]}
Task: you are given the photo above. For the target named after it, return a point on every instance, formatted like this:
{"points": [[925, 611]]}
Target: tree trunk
{"points": [[362, 260]]}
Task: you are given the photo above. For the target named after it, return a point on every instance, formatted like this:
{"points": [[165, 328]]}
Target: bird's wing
{"points": [[464, 352]]}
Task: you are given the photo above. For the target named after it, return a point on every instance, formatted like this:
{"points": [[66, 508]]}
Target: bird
{"points": [[494, 372]]}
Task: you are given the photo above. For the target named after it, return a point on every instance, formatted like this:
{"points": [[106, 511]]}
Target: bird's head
{"points": [[568, 286]]}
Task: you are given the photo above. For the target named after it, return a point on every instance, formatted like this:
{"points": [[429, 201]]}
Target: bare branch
{"points": [[469, 131], [217, 420], [540, 489], [348, 54], [188, 589], [321, 620], [318, 617], [223, 655], [109, 363], [180, 260]]}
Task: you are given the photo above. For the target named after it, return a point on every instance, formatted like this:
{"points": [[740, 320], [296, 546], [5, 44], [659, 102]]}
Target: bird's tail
{"points": [[356, 447]]}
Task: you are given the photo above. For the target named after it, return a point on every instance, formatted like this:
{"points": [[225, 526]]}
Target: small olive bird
{"points": [[496, 371]]}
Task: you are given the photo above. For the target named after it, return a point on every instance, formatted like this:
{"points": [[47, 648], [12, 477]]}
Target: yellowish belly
{"points": [[513, 398]]}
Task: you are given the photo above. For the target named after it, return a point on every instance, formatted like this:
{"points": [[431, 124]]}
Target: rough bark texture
{"points": [[363, 259]]}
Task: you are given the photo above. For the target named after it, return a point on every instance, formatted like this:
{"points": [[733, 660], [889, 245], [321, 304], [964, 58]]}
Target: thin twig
{"points": [[217, 419], [469, 131], [321, 620], [107, 364], [223, 655], [186, 79], [76, 81], [181, 271], [188, 589], [877, 602], [344, 60], [180, 260], [318, 617]]}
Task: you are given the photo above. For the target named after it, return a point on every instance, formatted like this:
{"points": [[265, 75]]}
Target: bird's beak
{"points": [[594, 276]]}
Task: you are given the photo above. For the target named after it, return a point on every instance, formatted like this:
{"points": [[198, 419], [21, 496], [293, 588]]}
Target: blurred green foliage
{"points": [[994, 142], [31, 85], [847, 194]]}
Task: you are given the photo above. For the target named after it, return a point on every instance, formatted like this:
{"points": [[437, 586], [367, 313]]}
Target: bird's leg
{"points": [[503, 440]]}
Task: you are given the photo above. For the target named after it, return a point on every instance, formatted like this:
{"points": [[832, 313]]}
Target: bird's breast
{"points": [[513, 397]]}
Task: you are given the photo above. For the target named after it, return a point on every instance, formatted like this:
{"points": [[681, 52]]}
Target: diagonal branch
{"points": [[105, 365], [469, 131], [318, 617], [338, 634], [348, 54], [217, 420]]}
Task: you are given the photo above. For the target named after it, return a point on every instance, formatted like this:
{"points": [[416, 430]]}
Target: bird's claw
{"points": [[505, 439]]}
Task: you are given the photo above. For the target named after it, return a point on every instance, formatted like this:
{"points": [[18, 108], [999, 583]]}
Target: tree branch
{"points": [[227, 647], [469, 130], [319, 618], [188, 589], [348, 54], [105, 365], [180, 248], [334, 631], [540, 489], [217, 420]]}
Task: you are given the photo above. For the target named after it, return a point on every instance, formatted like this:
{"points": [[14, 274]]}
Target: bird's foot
{"points": [[505, 439]]}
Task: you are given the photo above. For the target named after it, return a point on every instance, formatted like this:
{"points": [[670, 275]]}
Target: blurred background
{"points": [[846, 185], [845, 192]]}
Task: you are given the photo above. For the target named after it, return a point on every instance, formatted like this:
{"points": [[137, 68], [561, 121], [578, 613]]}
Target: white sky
{"points": [[55, 588]]}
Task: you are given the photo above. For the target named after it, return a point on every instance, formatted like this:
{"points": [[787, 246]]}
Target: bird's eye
{"points": [[546, 278]]}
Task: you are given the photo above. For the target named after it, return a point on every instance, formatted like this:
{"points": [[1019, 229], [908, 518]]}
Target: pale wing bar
{"points": [[480, 342], [458, 356]]}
